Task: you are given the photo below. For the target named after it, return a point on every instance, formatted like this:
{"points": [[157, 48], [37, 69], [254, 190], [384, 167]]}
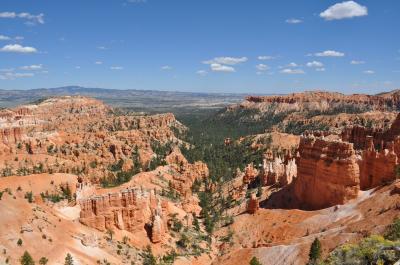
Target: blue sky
{"points": [[252, 46]]}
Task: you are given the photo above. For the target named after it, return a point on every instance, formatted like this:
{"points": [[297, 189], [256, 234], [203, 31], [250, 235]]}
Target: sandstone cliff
{"points": [[131, 210], [327, 173]]}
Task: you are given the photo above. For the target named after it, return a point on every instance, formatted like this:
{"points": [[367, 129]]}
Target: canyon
{"points": [[106, 184]]}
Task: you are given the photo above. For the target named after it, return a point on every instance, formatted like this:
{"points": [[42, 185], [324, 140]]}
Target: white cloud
{"points": [[329, 53], [347, 9], [202, 72], [265, 57], [292, 71], [32, 19], [2, 37], [322, 69], [116, 68], [77, 67], [262, 67], [18, 49], [216, 67], [137, 1], [102, 48], [357, 62], [17, 38], [315, 64], [31, 67], [292, 65], [166, 67], [12, 76], [98, 62], [293, 21], [226, 60], [369, 72]]}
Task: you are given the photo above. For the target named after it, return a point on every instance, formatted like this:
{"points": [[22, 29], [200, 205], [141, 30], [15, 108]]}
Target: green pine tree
{"points": [[69, 260], [315, 251], [27, 259]]}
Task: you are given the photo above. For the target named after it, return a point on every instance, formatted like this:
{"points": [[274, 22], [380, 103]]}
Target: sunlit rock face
{"points": [[327, 173]]}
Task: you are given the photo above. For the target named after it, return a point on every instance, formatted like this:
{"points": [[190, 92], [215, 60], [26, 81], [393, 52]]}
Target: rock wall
{"points": [[130, 210], [377, 167], [327, 173], [324, 99]]}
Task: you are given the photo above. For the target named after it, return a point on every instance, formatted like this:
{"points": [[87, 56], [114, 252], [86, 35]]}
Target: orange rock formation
{"points": [[328, 173]]}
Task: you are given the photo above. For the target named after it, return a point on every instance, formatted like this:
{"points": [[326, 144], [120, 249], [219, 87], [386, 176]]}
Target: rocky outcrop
{"points": [[253, 204], [327, 173], [377, 167], [278, 170], [130, 210], [250, 174], [11, 135], [188, 173], [379, 150]]}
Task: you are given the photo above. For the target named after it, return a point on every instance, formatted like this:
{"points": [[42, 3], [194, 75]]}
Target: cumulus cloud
{"points": [[292, 71], [102, 48], [292, 65], [116, 68], [369, 72], [31, 67], [293, 21], [262, 67], [315, 64], [216, 67], [329, 53], [265, 57], [202, 72], [347, 9], [98, 62], [357, 62], [18, 49], [322, 69], [227, 60], [31, 19], [166, 67]]}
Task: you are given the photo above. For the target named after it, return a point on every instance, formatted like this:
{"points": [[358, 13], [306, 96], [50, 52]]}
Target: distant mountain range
{"points": [[143, 100]]}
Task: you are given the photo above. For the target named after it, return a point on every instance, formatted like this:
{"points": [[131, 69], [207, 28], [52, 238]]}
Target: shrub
{"points": [[393, 231], [29, 196], [19, 242], [43, 261], [254, 261]]}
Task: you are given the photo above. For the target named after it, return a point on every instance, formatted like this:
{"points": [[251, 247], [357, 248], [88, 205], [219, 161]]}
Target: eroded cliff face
{"points": [[130, 209], [321, 100], [78, 135], [327, 173], [377, 167], [379, 150]]}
